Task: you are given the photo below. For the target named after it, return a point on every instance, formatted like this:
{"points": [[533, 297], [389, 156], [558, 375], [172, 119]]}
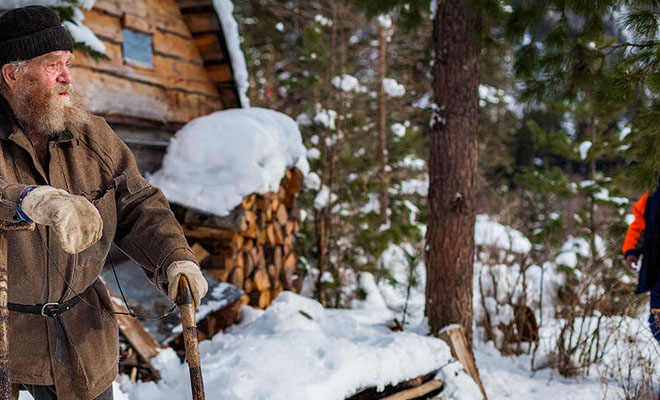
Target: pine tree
{"points": [[317, 62]]}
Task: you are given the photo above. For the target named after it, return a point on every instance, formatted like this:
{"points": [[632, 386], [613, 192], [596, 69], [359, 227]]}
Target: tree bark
{"points": [[382, 122], [453, 167]]}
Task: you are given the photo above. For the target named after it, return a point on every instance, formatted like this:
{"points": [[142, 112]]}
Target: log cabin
{"points": [[168, 63]]}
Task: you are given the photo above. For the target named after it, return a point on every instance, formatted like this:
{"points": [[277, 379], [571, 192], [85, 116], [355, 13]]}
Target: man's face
{"points": [[43, 97], [51, 70]]}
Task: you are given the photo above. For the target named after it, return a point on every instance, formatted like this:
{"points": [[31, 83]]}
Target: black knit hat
{"points": [[30, 32]]}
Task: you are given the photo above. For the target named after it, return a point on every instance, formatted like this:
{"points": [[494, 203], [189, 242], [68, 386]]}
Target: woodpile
{"points": [[252, 247], [422, 387]]}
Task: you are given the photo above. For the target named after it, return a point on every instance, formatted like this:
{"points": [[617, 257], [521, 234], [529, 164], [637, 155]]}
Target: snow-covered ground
{"points": [[511, 378], [296, 349]]}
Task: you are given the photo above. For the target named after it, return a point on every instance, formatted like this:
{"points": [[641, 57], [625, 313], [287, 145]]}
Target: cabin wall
{"points": [[144, 104], [174, 90]]}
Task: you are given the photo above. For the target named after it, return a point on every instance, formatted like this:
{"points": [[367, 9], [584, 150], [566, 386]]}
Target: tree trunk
{"points": [[453, 167], [382, 121]]}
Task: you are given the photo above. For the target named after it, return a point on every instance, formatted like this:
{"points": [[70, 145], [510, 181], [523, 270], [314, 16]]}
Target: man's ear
{"points": [[9, 75]]}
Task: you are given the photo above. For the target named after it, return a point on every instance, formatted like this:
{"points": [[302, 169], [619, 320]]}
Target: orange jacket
{"points": [[635, 236]]}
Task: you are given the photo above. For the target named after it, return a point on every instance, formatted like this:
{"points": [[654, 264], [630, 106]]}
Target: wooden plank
{"points": [[167, 72], [236, 221], [418, 391], [205, 232], [167, 16], [202, 22], [200, 253], [137, 336], [237, 277], [164, 14], [104, 25], [181, 74], [261, 279], [379, 393], [176, 46], [454, 335], [210, 47], [290, 262], [139, 24], [186, 4], [229, 95], [138, 100], [112, 7]]}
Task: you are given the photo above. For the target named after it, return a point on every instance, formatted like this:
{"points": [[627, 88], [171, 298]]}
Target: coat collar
{"points": [[10, 125]]}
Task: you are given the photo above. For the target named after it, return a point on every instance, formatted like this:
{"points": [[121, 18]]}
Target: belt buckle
{"points": [[53, 308]]}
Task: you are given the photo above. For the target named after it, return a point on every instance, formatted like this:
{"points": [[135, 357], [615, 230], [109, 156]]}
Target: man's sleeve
{"points": [[147, 230], [10, 193], [632, 245]]}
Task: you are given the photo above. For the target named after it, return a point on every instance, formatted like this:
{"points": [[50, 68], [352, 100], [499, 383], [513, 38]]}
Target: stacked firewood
{"points": [[252, 247]]}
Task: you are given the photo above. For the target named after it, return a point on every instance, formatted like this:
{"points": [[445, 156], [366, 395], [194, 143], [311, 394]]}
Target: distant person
{"points": [[66, 170], [643, 239]]}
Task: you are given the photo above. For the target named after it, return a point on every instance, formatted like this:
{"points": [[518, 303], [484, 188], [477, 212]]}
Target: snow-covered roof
{"points": [[224, 9], [216, 160]]}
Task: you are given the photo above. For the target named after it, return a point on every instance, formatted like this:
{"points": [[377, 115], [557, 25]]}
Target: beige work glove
{"points": [[196, 280], [75, 221]]}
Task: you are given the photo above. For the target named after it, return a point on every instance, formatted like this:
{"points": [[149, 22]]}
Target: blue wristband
{"points": [[19, 210]]}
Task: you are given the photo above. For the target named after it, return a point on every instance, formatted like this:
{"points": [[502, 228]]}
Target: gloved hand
{"points": [[75, 221], [196, 280]]}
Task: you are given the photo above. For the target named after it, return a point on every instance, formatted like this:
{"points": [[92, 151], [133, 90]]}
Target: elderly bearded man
{"points": [[68, 172]]}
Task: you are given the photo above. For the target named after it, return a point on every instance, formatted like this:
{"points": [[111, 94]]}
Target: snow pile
{"points": [[394, 290], [399, 130], [583, 149], [575, 248], [393, 88], [424, 102], [313, 353], [225, 9], [322, 20], [385, 21], [489, 94], [326, 118], [512, 378], [216, 160], [411, 162], [489, 232], [348, 83], [324, 198], [601, 193], [412, 186]]}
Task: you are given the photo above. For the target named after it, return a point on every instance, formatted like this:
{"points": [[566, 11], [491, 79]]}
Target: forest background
{"points": [[568, 100]]}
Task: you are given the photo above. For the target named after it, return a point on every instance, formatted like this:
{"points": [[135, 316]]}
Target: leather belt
{"points": [[53, 310]]}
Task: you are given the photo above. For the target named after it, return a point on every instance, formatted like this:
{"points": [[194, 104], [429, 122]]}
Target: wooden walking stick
{"points": [[5, 378], [188, 321]]}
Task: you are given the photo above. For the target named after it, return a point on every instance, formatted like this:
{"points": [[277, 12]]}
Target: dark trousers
{"points": [[654, 317], [40, 392]]}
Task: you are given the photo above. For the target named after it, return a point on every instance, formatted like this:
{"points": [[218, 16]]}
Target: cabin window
{"points": [[138, 49]]}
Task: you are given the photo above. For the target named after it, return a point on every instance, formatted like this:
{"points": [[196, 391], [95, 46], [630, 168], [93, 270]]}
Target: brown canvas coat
{"points": [[91, 161]]}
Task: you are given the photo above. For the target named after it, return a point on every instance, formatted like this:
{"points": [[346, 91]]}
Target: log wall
{"points": [[176, 90]]}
